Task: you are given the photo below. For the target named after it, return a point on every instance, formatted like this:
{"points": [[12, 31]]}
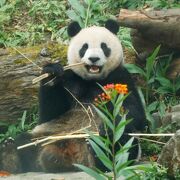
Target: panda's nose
{"points": [[94, 59]]}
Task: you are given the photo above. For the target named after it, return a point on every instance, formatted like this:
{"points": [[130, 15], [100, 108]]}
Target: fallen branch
{"points": [[150, 140], [43, 76]]}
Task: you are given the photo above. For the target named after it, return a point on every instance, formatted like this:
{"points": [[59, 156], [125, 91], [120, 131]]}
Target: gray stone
{"points": [[170, 118], [49, 176], [170, 155]]}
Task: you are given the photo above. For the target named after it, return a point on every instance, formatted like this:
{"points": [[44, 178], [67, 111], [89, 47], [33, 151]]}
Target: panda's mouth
{"points": [[93, 69]]}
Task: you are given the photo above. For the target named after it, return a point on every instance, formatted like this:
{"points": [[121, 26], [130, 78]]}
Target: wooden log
{"points": [[153, 28], [17, 93], [162, 27]]}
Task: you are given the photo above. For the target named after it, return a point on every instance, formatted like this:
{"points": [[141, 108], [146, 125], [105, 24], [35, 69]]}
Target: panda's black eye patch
{"points": [[83, 50], [106, 50]]}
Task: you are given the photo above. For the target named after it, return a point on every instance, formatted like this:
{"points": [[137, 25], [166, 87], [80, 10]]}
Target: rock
{"points": [[170, 155], [49, 176], [170, 118], [173, 70]]}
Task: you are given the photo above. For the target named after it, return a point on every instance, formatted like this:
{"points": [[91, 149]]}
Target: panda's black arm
{"points": [[54, 100]]}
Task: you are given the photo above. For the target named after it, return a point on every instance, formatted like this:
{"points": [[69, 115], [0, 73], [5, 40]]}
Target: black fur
{"points": [[106, 50], [112, 26], [83, 50], [73, 29]]}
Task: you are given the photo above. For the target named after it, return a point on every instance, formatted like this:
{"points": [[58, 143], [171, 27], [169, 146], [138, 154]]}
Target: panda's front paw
{"points": [[54, 69]]}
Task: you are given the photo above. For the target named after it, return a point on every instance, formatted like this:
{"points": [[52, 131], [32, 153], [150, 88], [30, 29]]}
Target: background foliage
{"points": [[28, 22]]}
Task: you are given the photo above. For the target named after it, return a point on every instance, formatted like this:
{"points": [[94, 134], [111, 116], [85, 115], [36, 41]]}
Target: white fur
{"points": [[94, 52], [94, 36]]}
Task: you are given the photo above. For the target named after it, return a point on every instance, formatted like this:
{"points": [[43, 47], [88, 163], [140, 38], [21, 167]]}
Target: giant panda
{"points": [[101, 52]]}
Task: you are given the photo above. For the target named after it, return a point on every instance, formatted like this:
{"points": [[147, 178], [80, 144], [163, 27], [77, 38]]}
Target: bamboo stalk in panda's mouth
{"points": [[45, 75]]}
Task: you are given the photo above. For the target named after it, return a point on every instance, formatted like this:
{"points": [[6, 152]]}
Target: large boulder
{"points": [[170, 155]]}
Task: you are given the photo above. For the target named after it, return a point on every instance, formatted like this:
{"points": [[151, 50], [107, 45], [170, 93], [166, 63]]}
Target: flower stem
{"points": [[113, 150]]}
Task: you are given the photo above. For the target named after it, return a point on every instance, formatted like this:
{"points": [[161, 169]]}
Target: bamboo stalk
{"points": [[39, 78], [27, 58], [150, 135], [51, 139], [55, 138], [73, 65], [43, 76]]}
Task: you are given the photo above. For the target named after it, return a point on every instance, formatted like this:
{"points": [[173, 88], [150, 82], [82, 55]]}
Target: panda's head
{"points": [[98, 47]]}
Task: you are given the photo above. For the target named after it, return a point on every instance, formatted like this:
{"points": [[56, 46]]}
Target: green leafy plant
{"points": [[104, 147], [87, 12], [147, 74], [14, 129], [157, 172], [159, 93]]}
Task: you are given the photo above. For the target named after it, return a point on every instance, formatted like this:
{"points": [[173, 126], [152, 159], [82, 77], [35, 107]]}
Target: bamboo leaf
{"points": [[75, 17], [132, 68], [142, 97], [150, 62], [164, 90], [151, 107], [77, 6], [91, 172], [164, 82]]}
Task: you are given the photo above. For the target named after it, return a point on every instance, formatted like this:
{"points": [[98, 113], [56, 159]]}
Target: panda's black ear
{"points": [[112, 26], [73, 29]]}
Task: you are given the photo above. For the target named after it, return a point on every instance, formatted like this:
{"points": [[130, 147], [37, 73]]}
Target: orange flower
{"points": [[121, 88], [110, 88]]}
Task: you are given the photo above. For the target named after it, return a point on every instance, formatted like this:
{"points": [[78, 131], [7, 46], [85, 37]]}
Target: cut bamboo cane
{"points": [[55, 138], [151, 135], [39, 78], [43, 76]]}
